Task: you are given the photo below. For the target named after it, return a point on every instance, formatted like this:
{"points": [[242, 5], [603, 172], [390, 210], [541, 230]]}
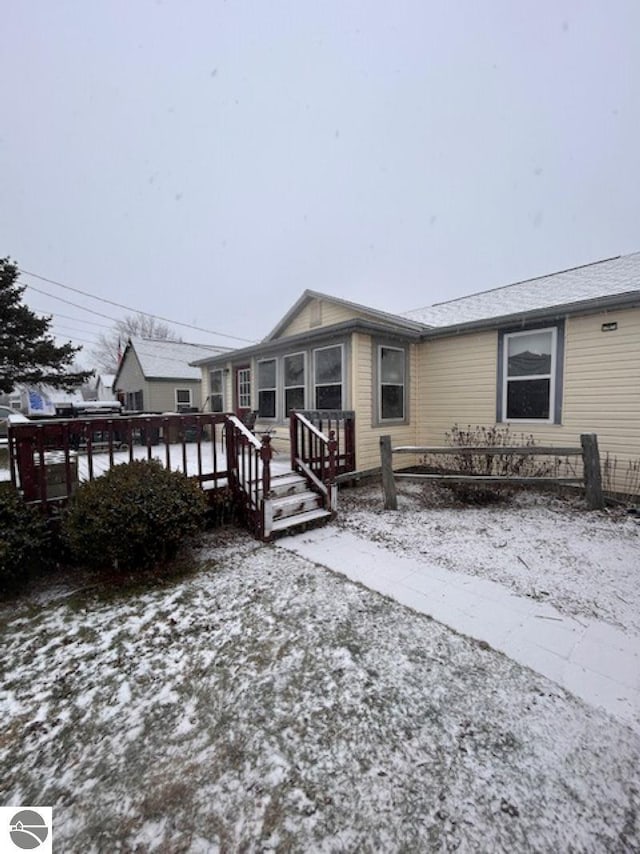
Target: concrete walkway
{"points": [[591, 659]]}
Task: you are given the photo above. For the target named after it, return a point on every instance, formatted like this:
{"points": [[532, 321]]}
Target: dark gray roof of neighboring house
{"points": [[579, 285]]}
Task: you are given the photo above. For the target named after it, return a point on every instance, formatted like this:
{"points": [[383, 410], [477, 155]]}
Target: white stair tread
{"points": [[296, 498], [300, 519]]}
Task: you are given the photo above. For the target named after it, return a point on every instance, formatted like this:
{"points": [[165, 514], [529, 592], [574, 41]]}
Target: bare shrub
{"points": [[489, 465]]}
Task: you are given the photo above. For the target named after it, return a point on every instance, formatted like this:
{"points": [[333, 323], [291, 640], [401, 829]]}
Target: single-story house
{"points": [[104, 387], [554, 356], [156, 375]]}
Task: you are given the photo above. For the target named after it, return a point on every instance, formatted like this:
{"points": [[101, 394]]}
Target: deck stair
{"points": [[292, 504]]}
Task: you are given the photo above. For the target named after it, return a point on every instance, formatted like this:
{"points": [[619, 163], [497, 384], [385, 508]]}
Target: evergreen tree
{"points": [[28, 351]]}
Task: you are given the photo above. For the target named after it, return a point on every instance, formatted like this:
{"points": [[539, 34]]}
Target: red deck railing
{"points": [[49, 458], [249, 473]]}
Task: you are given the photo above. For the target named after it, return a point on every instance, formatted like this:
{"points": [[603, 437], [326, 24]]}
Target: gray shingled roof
{"points": [[161, 358], [602, 279]]}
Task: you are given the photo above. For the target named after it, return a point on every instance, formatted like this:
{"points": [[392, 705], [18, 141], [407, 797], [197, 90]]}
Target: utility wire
{"points": [[69, 317], [135, 310], [75, 329], [74, 304]]}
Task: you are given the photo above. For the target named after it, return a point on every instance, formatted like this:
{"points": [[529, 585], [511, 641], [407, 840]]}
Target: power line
{"points": [[74, 304], [74, 340], [69, 317], [135, 310], [74, 329]]}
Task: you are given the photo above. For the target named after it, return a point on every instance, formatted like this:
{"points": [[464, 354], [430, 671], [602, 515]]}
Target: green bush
{"points": [[23, 540], [136, 515]]}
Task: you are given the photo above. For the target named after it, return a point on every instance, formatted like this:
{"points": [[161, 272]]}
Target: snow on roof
{"points": [[162, 358], [593, 281], [106, 380]]}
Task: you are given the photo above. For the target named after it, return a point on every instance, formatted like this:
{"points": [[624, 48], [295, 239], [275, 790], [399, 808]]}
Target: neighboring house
{"points": [[155, 375], [554, 356], [104, 387]]}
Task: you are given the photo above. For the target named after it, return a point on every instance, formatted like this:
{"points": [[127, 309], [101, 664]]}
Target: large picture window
{"points": [[328, 377], [294, 382], [529, 366], [391, 374], [216, 397], [267, 389]]}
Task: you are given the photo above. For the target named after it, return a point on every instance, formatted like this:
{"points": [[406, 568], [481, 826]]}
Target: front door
{"points": [[243, 391]]}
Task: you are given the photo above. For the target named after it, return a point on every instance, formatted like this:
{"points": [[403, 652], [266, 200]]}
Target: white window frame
{"points": [[178, 404], [550, 376], [396, 418], [273, 388], [243, 389], [219, 394], [317, 385], [303, 386]]}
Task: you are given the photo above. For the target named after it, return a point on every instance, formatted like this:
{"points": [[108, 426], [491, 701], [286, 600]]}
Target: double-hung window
{"points": [[294, 382], [530, 377], [328, 377], [183, 399], [267, 388], [391, 378], [216, 399]]}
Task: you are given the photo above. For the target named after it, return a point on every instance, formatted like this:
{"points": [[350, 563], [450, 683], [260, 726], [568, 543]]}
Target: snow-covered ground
{"points": [[264, 703], [539, 545]]}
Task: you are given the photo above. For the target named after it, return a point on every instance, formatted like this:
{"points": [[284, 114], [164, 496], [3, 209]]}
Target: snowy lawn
{"points": [[262, 703], [538, 545]]}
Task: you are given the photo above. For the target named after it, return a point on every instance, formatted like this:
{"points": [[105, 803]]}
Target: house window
{"points": [[216, 399], [294, 382], [267, 388], [530, 375], [183, 399], [133, 401], [244, 388], [391, 374], [328, 377]]}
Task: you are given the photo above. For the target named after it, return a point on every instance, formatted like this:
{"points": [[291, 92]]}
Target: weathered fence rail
{"points": [[588, 450]]}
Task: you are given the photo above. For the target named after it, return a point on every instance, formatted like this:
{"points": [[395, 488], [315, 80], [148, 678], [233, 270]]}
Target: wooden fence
{"points": [[588, 450]]}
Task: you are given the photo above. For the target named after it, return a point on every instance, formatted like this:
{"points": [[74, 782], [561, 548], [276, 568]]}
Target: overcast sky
{"points": [[207, 161]]}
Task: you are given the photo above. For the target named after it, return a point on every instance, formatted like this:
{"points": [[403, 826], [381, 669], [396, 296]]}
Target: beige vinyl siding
{"points": [[329, 313], [368, 436], [601, 386], [457, 384]]}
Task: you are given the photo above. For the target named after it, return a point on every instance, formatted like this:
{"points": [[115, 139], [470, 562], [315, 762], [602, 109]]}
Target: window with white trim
{"points": [[267, 388], [244, 388], [529, 369], [216, 394], [293, 367], [391, 380], [183, 399], [328, 377]]}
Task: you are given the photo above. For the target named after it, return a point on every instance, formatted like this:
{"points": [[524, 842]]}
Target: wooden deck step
{"points": [[290, 523], [294, 505]]}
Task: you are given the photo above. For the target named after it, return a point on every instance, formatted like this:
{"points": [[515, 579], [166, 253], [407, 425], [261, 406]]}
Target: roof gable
{"points": [[592, 282], [351, 309]]}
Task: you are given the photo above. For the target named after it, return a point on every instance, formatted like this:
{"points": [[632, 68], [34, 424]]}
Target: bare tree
{"points": [[110, 345]]}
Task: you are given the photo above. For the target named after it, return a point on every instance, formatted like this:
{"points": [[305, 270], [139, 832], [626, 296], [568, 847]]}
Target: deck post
{"points": [[293, 438], [388, 482], [592, 472], [331, 485]]}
